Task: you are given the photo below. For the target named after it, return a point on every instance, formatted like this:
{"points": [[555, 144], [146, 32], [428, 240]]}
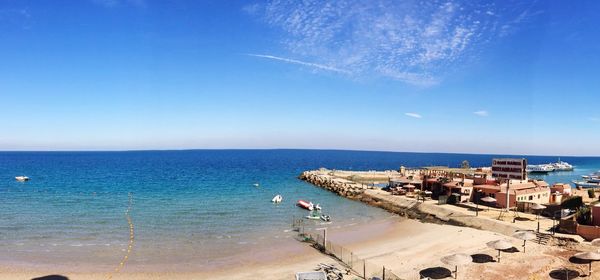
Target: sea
{"points": [[190, 210]]}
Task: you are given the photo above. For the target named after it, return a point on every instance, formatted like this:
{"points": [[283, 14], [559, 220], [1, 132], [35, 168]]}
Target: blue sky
{"points": [[444, 76]]}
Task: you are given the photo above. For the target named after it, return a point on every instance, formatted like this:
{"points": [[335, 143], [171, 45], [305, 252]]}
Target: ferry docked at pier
{"points": [[550, 167], [562, 166], [540, 168]]}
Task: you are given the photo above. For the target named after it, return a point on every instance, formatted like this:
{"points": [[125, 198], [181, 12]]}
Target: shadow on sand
{"points": [[435, 273], [564, 274], [51, 277], [482, 258], [511, 250], [578, 261]]}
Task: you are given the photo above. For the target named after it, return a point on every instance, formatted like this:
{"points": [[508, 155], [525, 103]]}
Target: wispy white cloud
{"points": [[116, 3], [415, 42], [482, 113], [16, 17], [294, 61], [413, 115]]}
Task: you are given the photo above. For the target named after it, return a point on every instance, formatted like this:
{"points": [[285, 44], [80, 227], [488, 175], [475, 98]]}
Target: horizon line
{"points": [[288, 149]]}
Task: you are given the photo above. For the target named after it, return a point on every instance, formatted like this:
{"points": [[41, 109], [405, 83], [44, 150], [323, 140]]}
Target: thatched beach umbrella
{"points": [[524, 235], [596, 242], [588, 256], [499, 245], [488, 199], [456, 260], [539, 208]]}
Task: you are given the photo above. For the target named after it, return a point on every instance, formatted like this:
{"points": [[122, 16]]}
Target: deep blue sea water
{"points": [[195, 206]]}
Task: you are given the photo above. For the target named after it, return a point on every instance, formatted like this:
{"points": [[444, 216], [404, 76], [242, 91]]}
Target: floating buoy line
{"points": [[131, 239]]}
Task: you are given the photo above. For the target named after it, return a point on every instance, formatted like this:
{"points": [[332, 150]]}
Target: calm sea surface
{"points": [[197, 207]]}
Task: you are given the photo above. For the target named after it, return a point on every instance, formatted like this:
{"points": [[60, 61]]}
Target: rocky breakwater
{"points": [[340, 186]]}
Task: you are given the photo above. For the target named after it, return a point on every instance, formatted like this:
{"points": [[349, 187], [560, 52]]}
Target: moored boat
{"points": [[325, 218], [313, 216], [562, 166], [22, 178], [306, 205], [586, 184], [277, 199], [540, 168]]}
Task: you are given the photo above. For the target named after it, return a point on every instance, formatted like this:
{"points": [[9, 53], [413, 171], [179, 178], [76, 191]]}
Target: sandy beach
{"points": [[407, 247]]}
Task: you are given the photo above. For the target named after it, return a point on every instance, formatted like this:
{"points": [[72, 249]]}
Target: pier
{"points": [[361, 186]]}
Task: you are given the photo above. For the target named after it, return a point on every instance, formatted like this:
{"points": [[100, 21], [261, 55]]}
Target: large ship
{"points": [[562, 166], [540, 168]]}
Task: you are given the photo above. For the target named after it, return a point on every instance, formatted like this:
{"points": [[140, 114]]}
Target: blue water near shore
{"points": [[198, 204]]}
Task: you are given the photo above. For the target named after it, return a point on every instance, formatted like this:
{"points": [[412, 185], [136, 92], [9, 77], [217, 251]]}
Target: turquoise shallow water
{"points": [[197, 207]]}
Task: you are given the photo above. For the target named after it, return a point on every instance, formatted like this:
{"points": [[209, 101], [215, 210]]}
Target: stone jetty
{"points": [[344, 183]]}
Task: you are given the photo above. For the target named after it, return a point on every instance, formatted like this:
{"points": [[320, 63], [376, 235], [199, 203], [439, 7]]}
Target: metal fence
{"points": [[362, 267]]}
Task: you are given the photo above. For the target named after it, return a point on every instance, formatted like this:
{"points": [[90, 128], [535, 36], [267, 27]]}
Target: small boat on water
{"points": [[313, 216], [22, 178], [586, 184], [306, 205], [318, 207], [256, 184], [277, 199], [325, 218]]}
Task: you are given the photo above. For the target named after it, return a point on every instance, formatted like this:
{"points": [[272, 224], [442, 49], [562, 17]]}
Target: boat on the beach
{"points": [[22, 178], [540, 168], [306, 205], [277, 199], [325, 218]]}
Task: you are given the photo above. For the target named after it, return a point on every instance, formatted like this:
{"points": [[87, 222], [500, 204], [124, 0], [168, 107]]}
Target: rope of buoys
{"points": [[131, 239]]}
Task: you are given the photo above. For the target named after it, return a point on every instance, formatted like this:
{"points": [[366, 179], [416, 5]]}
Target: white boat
{"points": [[277, 199], [22, 178], [256, 185], [313, 216], [540, 168], [562, 166], [586, 184], [325, 218], [318, 207]]}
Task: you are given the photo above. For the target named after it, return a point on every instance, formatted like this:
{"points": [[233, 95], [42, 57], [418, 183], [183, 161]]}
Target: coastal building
{"points": [[520, 192], [561, 188]]}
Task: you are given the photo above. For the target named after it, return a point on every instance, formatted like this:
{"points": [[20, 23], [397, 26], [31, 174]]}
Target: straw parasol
{"points": [[588, 256], [488, 199], [456, 260], [539, 208], [524, 235], [596, 242], [499, 245]]}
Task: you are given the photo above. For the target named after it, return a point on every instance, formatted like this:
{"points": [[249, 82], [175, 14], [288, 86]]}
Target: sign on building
{"points": [[509, 168]]}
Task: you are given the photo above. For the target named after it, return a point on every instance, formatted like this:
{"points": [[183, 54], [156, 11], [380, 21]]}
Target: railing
{"points": [[361, 267]]}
